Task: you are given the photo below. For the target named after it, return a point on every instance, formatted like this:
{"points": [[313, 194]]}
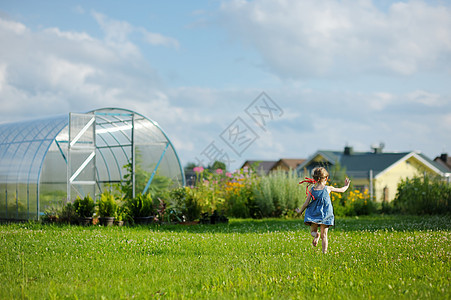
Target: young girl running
{"points": [[319, 212]]}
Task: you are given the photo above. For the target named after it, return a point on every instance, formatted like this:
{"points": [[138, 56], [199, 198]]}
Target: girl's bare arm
{"points": [[304, 206], [342, 189]]}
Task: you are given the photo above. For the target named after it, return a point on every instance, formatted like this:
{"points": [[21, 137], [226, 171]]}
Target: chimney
{"points": [[348, 150], [444, 157], [377, 148]]}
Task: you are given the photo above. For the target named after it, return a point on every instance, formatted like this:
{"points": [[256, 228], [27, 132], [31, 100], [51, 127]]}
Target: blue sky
{"points": [[340, 72]]}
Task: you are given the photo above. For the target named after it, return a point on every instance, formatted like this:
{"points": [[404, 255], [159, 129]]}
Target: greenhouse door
{"points": [[81, 168]]}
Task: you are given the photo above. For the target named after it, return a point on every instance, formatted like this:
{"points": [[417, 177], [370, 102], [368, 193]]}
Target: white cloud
{"points": [[301, 39], [13, 27], [447, 120], [118, 33], [2, 76], [381, 101], [53, 71], [428, 99], [159, 39], [72, 36]]}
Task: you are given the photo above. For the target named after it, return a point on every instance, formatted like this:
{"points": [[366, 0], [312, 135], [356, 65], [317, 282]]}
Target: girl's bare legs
{"points": [[314, 233], [324, 240]]}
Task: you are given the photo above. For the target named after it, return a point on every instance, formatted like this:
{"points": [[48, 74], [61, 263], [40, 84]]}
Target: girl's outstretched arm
{"points": [[304, 206], [342, 189]]}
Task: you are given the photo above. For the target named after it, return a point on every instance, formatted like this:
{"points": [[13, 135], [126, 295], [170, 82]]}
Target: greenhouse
{"points": [[45, 163]]}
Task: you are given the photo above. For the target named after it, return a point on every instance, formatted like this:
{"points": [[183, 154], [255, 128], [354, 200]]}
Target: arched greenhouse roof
{"points": [[47, 161]]}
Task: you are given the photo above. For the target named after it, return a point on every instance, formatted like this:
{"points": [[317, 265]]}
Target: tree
{"points": [[190, 166], [218, 165]]}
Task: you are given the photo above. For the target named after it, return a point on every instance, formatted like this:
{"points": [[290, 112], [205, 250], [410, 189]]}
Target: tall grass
{"points": [[372, 257], [278, 193]]}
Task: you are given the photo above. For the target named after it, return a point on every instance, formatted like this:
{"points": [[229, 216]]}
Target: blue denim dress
{"points": [[320, 210]]}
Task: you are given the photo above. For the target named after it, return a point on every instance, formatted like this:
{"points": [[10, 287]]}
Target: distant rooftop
{"points": [[360, 162]]}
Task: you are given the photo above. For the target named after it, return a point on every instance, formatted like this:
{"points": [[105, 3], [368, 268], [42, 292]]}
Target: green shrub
{"points": [[423, 195], [192, 208], [352, 203], [51, 215], [140, 206], [84, 208], [177, 205], [123, 213], [68, 213], [238, 202], [160, 187], [107, 205], [278, 193]]}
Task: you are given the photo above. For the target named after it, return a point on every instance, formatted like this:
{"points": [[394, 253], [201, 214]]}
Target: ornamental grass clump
{"points": [[278, 193]]}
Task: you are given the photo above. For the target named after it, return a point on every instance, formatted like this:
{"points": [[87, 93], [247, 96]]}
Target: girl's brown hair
{"points": [[320, 173]]}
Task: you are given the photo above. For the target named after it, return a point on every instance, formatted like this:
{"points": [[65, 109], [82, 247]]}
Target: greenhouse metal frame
{"points": [[46, 162]]}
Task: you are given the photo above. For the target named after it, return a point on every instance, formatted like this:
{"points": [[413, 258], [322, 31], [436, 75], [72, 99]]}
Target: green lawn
{"points": [[373, 257]]}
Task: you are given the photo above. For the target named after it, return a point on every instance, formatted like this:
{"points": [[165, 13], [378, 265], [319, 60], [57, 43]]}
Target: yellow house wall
{"points": [[392, 177], [360, 182]]}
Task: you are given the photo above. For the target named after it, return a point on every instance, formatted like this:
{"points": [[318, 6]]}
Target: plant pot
{"points": [[142, 220], [119, 223], [86, 221], [188, 223], [106, 221]]}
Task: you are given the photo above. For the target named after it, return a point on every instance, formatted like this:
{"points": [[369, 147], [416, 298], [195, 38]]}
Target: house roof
{"points": [[440, 167], [262, 165], [291, 163], [370, 161], [358, 164], [444, 160]]}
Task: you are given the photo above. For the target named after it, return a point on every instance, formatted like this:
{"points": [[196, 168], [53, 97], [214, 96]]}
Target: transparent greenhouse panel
{"points": [[11, 201], [53, 180], [3, 204], [33, 201], [81, 174], [22, 199], [51, 196], [82, 190], [110, 163]]}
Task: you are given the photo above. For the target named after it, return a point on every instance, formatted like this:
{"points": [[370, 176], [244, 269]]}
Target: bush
{"points": [[123, 214], [140, 206], [238, 201], [84, 208], [364, 207], [191, 208], [107, 205], [278, 193], [68, 213], [423, 195], [183, 205], [353, 203], [51, 215]]}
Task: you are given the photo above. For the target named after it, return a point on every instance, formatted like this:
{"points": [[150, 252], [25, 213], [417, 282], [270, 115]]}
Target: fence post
{"points": [[371, 184]]}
